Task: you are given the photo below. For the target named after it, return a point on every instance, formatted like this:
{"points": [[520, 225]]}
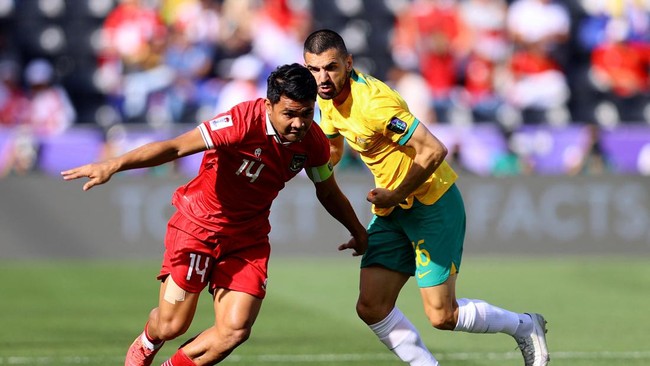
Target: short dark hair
{"points": [[323, 40], [293, 81]]}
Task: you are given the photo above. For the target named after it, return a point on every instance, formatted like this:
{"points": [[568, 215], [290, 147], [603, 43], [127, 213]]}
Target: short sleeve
{"points": [[391, 117], [225, 129]]}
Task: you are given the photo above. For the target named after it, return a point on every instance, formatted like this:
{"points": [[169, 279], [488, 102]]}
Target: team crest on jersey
{"points": [[258, 153], [297, 162], [397, 125], [221, 122]]}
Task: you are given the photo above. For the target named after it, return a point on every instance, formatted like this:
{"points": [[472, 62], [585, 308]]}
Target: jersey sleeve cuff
{"points": [[407, 136], [206, 136]]}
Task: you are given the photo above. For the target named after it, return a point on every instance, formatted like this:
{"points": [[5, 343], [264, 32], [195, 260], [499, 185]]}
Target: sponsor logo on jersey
{"points": [[297, 162], [397, 125], [221, 122]]}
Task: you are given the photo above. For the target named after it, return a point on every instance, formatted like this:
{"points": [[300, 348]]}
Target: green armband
{"points": [[320, 173]]}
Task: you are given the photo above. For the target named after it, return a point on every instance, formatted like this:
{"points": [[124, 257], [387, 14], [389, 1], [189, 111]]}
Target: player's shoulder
{"points": [[367, 81], [249, 108], [239, 120], [371, 90], [248, 113]]}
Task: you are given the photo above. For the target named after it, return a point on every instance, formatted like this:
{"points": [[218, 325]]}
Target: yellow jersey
{"points": [[376, 121]]}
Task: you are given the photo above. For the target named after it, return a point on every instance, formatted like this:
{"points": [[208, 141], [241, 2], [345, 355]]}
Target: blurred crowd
{"points": [[166, 63]]}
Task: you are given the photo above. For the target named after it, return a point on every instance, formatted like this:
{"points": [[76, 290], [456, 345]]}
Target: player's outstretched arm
{"points": [[97, 173], [152, 154]]}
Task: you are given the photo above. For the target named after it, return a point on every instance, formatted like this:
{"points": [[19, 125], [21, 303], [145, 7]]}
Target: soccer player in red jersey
{"points": [[218, 236]]}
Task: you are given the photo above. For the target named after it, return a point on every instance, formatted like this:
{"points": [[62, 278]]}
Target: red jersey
{"points": [[244, 169]]}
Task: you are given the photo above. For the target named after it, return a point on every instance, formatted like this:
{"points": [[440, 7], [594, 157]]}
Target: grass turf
{"points": [[88, 312]]}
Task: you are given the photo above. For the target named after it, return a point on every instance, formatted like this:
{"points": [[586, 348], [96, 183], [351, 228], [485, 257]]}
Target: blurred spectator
{"points": [[415, 91], [192, 66], [591, 28], [165, 61], [50, 110], [537, 87], [130, 60], [13, 101], [485, 32], [428, 35], [487, 49], [543, 23], [236, 27], [539, 30], [243, 83], [199, 19], [128, 33], [481, 81], [619, 71], [593, 159], [281, 22], [637, 15], [20, 156]]}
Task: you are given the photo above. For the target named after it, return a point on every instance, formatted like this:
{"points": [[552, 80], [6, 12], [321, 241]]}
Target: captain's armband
{"points": [[320, 173]]}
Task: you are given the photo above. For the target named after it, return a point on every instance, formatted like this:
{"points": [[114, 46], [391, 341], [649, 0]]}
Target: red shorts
{"points": [[196, 257]]}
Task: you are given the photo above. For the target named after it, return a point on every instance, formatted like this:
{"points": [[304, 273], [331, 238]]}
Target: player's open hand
{"points": [[358, 244], [98, 173]]}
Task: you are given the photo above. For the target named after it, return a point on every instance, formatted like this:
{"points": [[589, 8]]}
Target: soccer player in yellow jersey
{"points": [[418, 226]]}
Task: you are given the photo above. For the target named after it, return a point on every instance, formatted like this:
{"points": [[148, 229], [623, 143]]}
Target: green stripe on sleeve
{"points": [[332, 136], [409, 133], [320, 173]]}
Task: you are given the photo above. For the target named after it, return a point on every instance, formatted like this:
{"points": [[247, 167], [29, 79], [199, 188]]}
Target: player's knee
{"points": [[235, 337], [171, 329], [442, 319], [372, 312], [227, 339]]}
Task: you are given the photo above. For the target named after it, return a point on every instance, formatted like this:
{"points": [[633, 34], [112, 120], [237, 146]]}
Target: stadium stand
{"points": [[490, 103]]}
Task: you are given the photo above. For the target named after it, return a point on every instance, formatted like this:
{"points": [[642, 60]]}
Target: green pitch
{"points": [[87, 313]]}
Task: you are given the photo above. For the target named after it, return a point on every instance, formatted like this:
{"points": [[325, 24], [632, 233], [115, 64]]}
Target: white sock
{"points": [[147, 343], [401, 337], [477, 316]]}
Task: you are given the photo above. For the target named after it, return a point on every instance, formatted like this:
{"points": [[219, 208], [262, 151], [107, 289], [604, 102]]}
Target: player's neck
{"points": [[343, 95]]}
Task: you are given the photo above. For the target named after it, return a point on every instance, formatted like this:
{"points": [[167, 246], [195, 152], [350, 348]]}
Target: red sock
{"points": [[179, 359]]}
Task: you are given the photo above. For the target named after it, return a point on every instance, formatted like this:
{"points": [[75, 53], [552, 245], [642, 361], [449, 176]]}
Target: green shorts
{"points": [[425, 241]]}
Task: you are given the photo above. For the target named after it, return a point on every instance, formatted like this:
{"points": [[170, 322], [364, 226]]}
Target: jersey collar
{"points": [[270, 131]]}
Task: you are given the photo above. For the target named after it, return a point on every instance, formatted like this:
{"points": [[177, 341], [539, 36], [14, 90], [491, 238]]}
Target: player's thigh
{"points": [[235, 310], [242, 265], [380, 285], [441, 297], [176, 307], [388, 245], [437, 233], [188, 258]]}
